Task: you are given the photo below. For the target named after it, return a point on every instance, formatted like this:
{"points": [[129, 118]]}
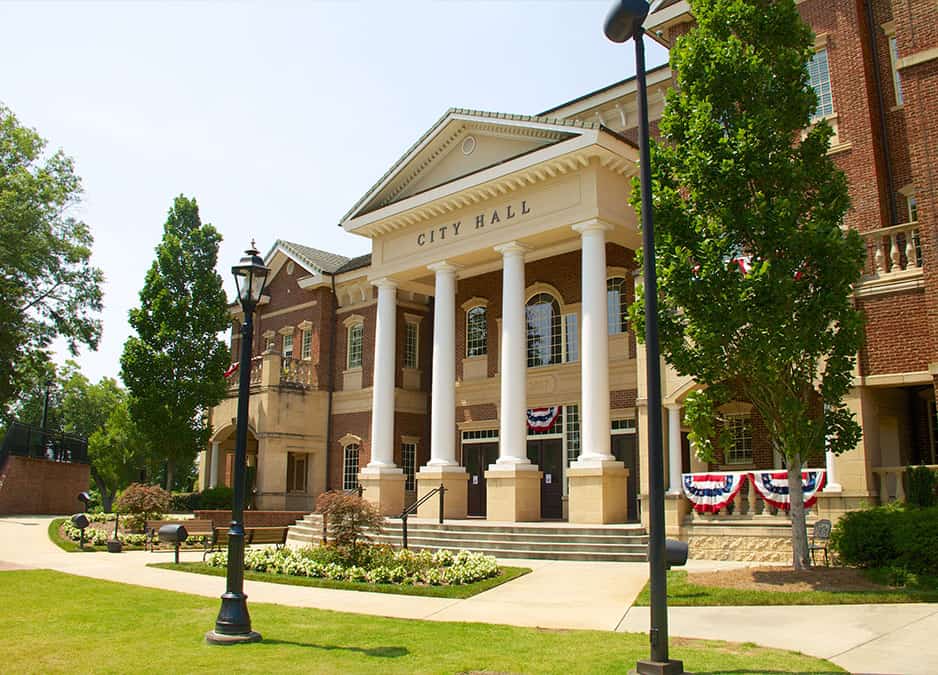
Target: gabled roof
{"points": [[312, 258], [355, 264], [403, 178]]}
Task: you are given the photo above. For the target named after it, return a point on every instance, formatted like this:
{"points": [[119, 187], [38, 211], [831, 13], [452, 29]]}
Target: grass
{"points": [[683, 593], [462, 591], [54, 622]]}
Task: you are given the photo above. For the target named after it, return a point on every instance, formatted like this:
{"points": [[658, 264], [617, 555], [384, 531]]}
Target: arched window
{"points": [[616, 306], [350, 467], [477, 332], [544, 327]]}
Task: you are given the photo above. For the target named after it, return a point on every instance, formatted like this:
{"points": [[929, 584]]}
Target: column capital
{"points": [[444, 266], [673, 406], [384, 282], [591, 226], [512, 248]]}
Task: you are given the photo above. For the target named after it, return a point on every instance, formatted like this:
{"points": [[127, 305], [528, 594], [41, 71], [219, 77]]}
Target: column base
{"points": [[670, 667], [455, 500], [513, 492], [675, 509], [385, 489], [598, 492]]}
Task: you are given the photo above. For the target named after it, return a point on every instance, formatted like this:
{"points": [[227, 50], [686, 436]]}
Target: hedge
{"points": [[889, 536]]}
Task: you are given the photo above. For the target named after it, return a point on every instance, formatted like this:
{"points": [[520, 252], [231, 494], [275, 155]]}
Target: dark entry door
{"points": [[547, 453], [625, 450], [477, 458]]}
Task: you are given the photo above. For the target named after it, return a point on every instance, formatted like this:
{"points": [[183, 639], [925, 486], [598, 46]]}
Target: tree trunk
{"points": [[170, 469], [107, 498], [799, 533]]}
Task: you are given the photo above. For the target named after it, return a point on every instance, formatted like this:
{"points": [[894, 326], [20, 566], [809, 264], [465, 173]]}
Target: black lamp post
{"points": [[624, 22], [233, 624]]}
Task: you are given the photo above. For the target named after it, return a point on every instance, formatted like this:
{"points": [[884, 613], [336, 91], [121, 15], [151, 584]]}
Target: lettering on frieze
{"points": [[450, 231]]}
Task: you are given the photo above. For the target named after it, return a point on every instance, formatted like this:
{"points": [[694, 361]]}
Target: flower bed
{"points": [[101, 530], [371, 564]]}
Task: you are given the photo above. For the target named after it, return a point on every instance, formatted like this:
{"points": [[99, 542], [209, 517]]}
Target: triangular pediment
{"points": [[461, 143]]}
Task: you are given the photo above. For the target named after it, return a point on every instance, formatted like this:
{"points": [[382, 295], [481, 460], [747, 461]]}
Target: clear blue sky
{"points": [[275, 116]]}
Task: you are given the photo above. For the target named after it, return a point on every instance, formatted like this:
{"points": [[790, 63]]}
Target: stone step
{"points": [[572, 537], [582, 556], [514, 544]]}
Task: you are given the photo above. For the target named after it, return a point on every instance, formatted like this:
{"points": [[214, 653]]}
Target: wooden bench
{"points": [[194, 528], [252, 535]]}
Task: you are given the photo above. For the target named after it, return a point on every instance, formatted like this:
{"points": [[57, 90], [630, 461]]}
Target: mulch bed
{"points": [[786, 579]]}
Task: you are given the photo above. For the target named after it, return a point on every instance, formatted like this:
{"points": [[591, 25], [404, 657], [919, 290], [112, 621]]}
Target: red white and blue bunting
{"points": [[772, 486], [710, 492], [542, 419], [231, 370]]}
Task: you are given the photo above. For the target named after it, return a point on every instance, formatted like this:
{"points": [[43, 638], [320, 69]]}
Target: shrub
{"points": [[182, 502], [142, 503], [889, 536], [916, 539], [220, 497], [349, 518], [922, 484]]}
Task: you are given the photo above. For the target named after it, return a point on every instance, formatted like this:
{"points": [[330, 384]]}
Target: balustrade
{"points": [[894, 249], [890, 482], [297, 373], [746, 504]]}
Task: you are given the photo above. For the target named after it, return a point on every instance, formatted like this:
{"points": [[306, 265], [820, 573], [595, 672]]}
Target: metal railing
{"points": [[413, 508], [25, 440]]}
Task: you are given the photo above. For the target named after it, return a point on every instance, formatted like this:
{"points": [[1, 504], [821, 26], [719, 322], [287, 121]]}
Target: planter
{"points": [[114, 546]]}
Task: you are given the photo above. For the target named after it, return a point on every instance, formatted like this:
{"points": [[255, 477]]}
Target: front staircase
{"points": [[540, 541]]}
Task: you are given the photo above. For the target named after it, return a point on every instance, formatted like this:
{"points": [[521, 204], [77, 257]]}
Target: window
{"points": [[740, 428], [624, 426], [296, 472], [350, 467], [571, 338], [480, 435], [477, 332], [306, 344], [410, 344], [820, 79], [616, 306], [573, 432], [355, 334], [544, 330], [409, 464], [913, 208], [894, 59], [288, 346]]}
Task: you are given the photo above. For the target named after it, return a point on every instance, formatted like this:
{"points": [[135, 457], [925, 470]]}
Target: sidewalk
{"points": [[861, 638]]}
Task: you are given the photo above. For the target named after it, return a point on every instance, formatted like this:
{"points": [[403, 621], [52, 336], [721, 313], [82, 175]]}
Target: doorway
{"points": [[477, 457], [625, 450], [547, 454]]}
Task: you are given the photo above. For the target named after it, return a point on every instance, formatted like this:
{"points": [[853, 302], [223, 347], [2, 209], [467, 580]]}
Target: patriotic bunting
{"points": [[710, 492], [542, 419], [232, 369], [772, 486]]}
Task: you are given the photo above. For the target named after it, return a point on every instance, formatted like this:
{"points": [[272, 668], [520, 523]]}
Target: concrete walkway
{"points": [[860, 638]]}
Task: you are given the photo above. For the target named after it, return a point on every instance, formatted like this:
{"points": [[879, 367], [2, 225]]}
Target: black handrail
{"points": [[413, 508]]}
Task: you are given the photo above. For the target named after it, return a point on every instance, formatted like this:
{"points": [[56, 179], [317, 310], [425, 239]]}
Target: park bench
{"points": [[194, 528], [252, 535]]}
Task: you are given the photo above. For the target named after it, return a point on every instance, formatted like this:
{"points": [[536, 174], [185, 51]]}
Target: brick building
{"points": [[483, 343]]}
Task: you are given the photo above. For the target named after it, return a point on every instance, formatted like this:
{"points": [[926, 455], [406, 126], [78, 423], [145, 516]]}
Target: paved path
{"points": [[861, 638]]}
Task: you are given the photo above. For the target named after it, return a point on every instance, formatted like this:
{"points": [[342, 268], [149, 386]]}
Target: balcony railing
{"points": [[891, 482], [28, 441], [297, 373], [893, 249], [271, 370], [747, 503]]}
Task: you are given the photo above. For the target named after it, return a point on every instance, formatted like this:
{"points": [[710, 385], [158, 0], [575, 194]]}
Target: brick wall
{"points": [[897, 333], [41, 486]]}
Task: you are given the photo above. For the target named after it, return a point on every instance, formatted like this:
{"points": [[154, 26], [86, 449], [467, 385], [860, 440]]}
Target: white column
{"points": [[382, 403], [831, 484], [213, 466], [674, 449], [443, 406], [513, 359], [594, 347]]}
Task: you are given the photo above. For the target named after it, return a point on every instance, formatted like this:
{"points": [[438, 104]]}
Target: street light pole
{"points": [[624, 22], [233, 624]]}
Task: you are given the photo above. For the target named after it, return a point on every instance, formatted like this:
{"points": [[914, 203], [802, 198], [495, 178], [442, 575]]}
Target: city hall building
{"points": [[484, 343]]}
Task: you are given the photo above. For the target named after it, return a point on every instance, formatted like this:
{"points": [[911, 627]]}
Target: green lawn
{"points": [[464, 591], [683, 593], [54, 622]]}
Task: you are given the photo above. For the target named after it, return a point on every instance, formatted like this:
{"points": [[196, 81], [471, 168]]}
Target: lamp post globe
{"points": [[233, 624], [624, 22]]}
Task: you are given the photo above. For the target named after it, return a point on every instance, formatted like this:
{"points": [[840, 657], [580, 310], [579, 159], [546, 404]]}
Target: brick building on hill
{"points": [[494, 298]]}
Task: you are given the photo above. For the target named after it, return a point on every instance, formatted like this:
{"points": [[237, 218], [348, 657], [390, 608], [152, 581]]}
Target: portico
{"points": [[519, 212]]}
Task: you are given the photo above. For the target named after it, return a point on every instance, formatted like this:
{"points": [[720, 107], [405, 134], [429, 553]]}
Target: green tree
{"points": [[48, 287], [117, 451], [174, 366], [741, 173]]}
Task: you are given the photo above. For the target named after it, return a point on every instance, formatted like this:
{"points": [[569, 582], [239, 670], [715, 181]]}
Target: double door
{"points": [[625, 449], [477, 457], [547, 454]]}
